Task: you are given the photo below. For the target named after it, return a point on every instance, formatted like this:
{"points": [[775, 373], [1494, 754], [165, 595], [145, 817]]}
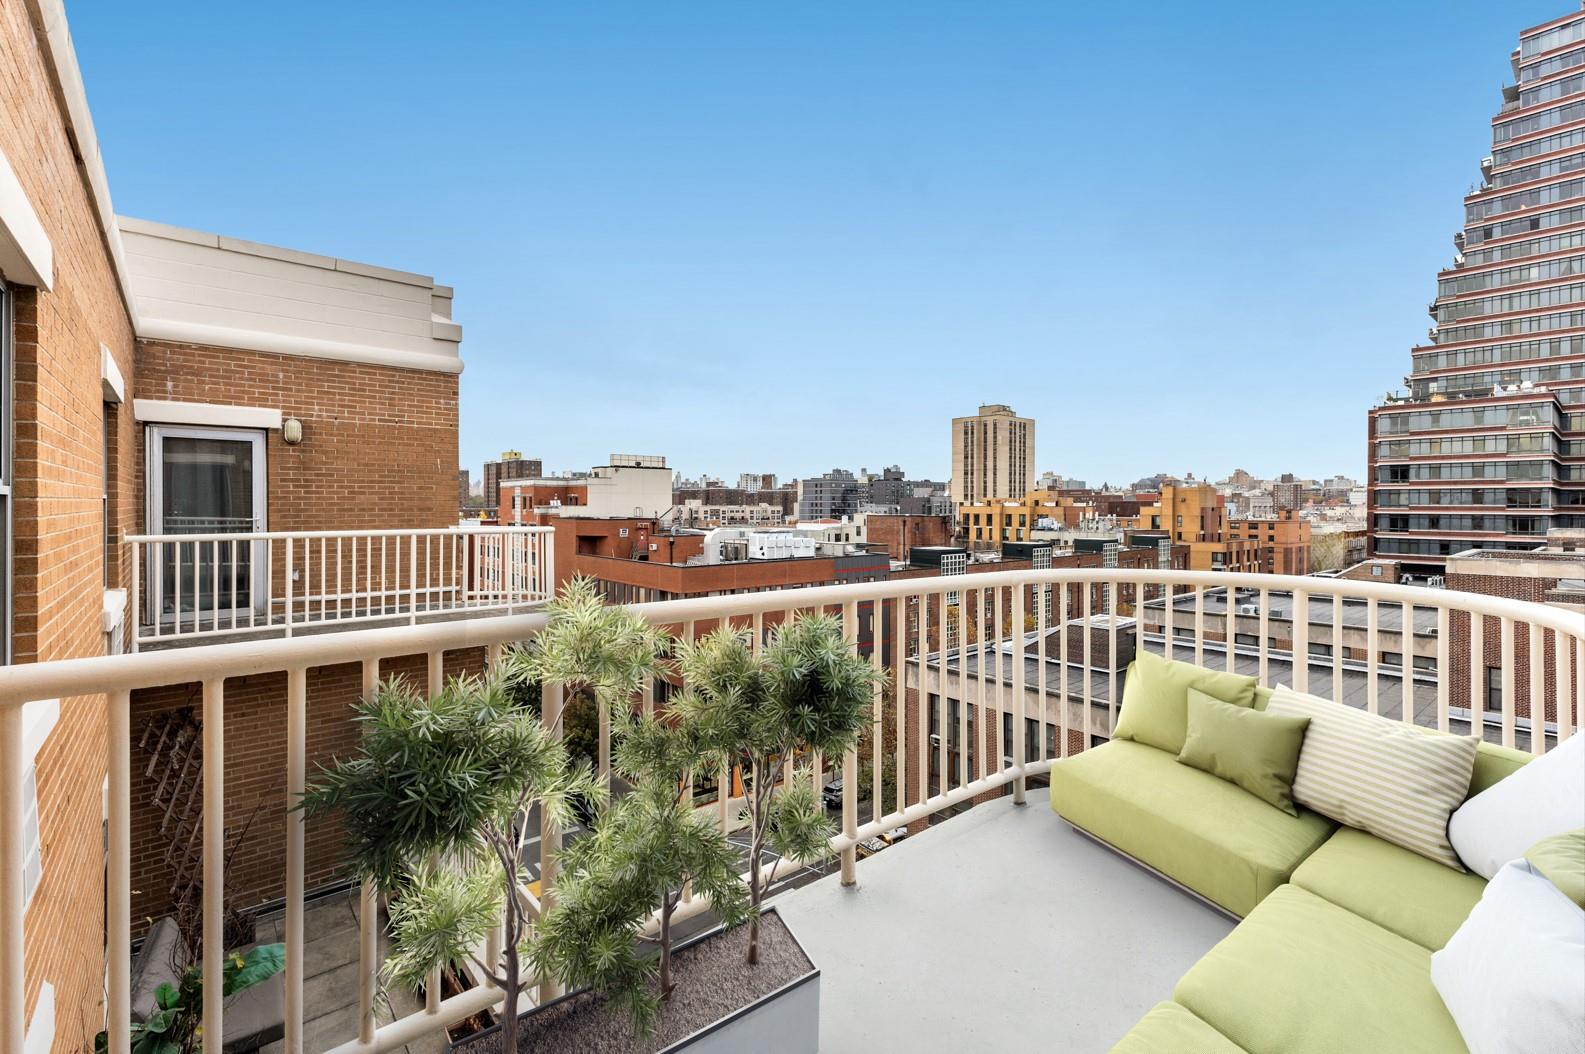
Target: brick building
{"points": [[159, 379], [1551, 574], [1283, 541]]}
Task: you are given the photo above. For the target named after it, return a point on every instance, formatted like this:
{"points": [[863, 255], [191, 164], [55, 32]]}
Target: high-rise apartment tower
{"points": [[1487, 447]]}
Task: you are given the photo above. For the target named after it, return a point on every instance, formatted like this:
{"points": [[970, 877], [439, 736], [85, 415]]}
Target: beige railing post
{"points": [[850, 765], [12, 850], [118, 877], [214, 958], [296, 763]]}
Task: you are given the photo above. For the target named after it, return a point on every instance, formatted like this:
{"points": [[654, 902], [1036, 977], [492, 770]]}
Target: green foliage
{"points": [[436, 776], [441, 913], [644, 850], [174, 1027], [807, 692], [449, 779], [590, 647], [635, 863]]}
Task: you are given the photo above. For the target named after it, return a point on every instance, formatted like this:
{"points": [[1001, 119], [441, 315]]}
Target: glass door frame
{"points": [[154, 474]]}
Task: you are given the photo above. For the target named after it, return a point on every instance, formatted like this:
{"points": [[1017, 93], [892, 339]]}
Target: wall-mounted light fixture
{"points": [[292, 431]]}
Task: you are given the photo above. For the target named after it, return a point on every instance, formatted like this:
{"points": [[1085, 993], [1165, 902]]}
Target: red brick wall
{"points": [[898, 534], [1514, 587], [379, 445], [57, 528], [255, 739]]}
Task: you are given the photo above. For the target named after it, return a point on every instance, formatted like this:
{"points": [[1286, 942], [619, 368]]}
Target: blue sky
{"points": [[782, 237]]}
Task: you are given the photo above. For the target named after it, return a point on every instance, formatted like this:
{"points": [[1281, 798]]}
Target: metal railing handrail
{"points": [[404, 532], [66, 678]]}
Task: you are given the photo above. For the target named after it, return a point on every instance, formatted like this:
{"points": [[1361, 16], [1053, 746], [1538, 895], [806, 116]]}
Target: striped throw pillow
{"points": [[1396, 782]]}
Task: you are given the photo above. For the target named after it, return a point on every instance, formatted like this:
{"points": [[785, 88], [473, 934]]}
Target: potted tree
{"points": [[807, 694], [610, 932], [434, 804]]}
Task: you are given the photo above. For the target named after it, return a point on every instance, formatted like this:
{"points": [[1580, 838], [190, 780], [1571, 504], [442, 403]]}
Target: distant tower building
{"points": [[993, 455], [1287, 492], [513, 465], [464, 490], [1471, 457]]}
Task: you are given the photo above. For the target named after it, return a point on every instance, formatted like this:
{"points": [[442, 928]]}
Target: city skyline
{"points": [[871, 216]]}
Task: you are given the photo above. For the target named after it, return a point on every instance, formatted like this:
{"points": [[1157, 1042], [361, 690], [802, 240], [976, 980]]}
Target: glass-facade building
{"points": [[1486, 449]]}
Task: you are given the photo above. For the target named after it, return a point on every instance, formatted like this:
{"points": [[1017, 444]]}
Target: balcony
{"points": [[990, 923], [210, 581]]}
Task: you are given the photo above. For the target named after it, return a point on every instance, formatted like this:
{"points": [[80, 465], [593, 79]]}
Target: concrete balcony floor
{"points": [[1002, 929]]}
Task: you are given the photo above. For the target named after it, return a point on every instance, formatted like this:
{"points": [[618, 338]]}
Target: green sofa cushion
{"points": [[1493, 763], [1220, 841], [1561, 860], [1250, 749], [1418, 899], [1156, 698], [1304, 976], [1170, 1029]]}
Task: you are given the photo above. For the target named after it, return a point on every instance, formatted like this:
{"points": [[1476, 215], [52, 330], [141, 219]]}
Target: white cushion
{"points": [[1502, 822], [1513, 975], [1391, 780]]}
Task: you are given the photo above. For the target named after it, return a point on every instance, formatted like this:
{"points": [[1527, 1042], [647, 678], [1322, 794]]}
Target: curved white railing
{"points": [[1036, 654]]}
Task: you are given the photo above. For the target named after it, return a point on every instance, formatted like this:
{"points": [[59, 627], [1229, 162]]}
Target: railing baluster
{"points": [[899, 700], [214, 870], [368, 913], [214, 572], [1062, 666], [1199, 625], [1299, 668], [412, 578], [1042, 620], [234, 605], [1084, 671], [1111, 655], [137, 613], [1563, 683], [1406, 644], [1477, 675], [13, 764], [341, 602], [291, 573], [324, 595], [850, 764], [296, 765], [1373, 656], [554, 702], [118, 878], [176, 592], [1537, 674], [1020, 747], [1444, 668], [1508, 693], [943, 779], [1337, 648], [1265, 630]]}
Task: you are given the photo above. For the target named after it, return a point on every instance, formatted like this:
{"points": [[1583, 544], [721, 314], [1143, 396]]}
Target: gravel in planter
{"points": [[713, 980]]}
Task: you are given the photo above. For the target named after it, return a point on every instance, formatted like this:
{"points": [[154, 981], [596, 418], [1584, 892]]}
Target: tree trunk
{"points": [[510, 957], [667, 905], [755, 881]]}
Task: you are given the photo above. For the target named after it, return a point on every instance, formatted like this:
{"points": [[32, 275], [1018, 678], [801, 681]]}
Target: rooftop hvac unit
{"points": [[1249, 609]]}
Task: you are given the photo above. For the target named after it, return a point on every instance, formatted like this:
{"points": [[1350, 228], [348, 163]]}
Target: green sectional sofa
{"points": [[1333, 953]]}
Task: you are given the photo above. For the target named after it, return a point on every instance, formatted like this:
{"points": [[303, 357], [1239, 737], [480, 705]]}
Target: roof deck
{"points": [[1065, 946]]}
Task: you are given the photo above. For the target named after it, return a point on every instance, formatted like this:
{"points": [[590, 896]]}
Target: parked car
{"points": [[831, 794]]}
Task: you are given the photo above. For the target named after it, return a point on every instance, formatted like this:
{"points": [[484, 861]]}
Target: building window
{"points": [[38, 718], [1494, 689]]}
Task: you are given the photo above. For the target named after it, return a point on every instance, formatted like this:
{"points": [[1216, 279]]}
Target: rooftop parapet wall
{"points": [[198, 288]]}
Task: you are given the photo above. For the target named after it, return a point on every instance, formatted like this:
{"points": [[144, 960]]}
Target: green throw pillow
{"points": [[1248, 748], [1156, 698], [1561, 859]]}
